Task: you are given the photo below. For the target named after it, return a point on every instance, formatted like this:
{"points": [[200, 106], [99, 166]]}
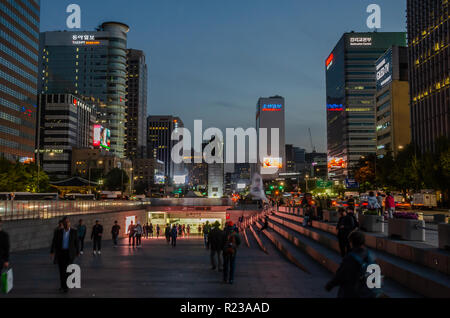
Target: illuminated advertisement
{"points": [[102, 137], [329, 61], [361, 41], [241, 186], [384, 70], [179, 179], [272, 163], [84, 39], [160, 179], [335, 107], [336, 163], [272, 107]]}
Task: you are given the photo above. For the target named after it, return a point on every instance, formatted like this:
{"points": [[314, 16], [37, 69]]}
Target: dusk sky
{"points": [[213, 59]]}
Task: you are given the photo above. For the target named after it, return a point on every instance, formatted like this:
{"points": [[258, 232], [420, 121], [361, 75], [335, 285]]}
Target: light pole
{"points": [[131, 181]]}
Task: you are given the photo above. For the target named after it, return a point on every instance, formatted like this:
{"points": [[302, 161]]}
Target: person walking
{"points": [[199, 229], [188, 229], [167, 233], [346, 225], [65, 248], [173, 235], [351, 203], [4, 248], [372, 202], [96, 236], [206, 229], [131, 234], [158, 230], [180, 230], [349, 277], [216, 245], [380, 203], [266, 224], [389, 204], [150, 229], [81, 234], [232, 242], [115, 233], [138, 231], [183, 229]]}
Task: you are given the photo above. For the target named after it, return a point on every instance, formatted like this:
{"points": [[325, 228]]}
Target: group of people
{"points": [[223, 245], [375, 203]]}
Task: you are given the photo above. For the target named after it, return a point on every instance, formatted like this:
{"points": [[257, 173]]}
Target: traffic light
{"points": [[281, 188], [272, 188]]}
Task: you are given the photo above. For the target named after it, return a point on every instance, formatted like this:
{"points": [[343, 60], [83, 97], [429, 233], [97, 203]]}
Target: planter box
{"points": [[444, 236], [406, 229], [330, 216], [371, 223]]}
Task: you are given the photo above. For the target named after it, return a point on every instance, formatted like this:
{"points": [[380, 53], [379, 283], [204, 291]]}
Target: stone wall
{"points": [[37, 234]]}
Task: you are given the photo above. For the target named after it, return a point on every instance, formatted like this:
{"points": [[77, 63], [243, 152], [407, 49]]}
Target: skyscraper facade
{"points": [[351, 88], [136, 126], [270, 115], [159, 141], [429, 71], [92, 65], [19, 51]]}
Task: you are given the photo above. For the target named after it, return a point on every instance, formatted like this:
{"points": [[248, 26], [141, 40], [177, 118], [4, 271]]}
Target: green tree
{"points": [[117, 180]]}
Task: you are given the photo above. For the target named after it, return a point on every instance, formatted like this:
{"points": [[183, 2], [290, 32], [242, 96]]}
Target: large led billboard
{"points": [[336, 163], [102, 137], [272, 163], [384, 70]]}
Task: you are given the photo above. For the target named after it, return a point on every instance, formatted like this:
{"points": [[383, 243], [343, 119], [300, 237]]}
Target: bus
{"points": [[26, 196], [79, 197]]}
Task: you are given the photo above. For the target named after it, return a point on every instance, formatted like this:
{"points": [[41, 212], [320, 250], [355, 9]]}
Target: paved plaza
{"points": [[158, 270]]}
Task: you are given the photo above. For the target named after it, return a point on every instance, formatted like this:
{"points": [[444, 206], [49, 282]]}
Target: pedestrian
{"points": [[183, 229], [216, 245], [389, 204], [206, 229], [199, 229], [188, 228], [372, 202], [115, 233], [4, 248], [65, 248], [145, 230], [81, 234], [180, 230], [266, 224], [150, 229], [138, 230], [167, 233], [346, 224], [232, 242], [173, 235], [158, 230], [351, 203], [380, 203], [131, 234], [351, 275], [96, 236]]}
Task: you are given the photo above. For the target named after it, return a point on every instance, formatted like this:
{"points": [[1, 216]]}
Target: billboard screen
{"points": [[160, 179], [102, 137], [179, 179], [384, 70], [273, 163], [336, 163]]}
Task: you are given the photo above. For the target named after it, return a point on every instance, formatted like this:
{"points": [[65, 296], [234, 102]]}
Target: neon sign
{"points": [[329, 61], [272, 107], [335, 107]]}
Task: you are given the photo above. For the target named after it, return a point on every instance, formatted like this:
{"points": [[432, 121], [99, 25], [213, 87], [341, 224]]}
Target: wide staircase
{"points": [[407, 270]]}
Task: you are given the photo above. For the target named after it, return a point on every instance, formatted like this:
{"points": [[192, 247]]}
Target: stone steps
{"points": [[316, 242]]}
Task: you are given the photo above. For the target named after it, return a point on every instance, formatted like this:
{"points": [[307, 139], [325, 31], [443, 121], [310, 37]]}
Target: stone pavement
{"points": [[158, 270]]}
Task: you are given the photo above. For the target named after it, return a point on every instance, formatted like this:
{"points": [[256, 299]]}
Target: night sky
{"points": [[213, 59]]}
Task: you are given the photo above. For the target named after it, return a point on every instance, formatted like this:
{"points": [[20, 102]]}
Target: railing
{"points": [[25, 210]]}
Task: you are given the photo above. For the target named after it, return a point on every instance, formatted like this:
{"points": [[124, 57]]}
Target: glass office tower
{"points": [[92, 65], [351, 89], [19, 50]]}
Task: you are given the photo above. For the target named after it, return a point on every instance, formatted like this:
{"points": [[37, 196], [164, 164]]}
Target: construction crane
{"points": [[311, 141]]}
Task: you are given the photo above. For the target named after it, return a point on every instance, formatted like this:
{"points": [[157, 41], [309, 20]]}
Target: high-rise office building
{"points": [[159, 141], [66, 122], [351, 89], [19, 51], [392, 102], [136, 127], [429, 71], [92, 65], [270, 115]]}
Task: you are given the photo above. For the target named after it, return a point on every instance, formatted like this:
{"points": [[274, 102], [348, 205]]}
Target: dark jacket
{"points": [[348, 275], [167, 231], [174, 232], [81, 229], [227, 236], [96, 231], [216, 239], [4, 248], [57, 242], [347, 224], [115, 230]]}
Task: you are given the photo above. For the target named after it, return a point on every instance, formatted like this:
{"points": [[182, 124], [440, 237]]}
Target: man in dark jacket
{"points": [[96, 236], [232, 242], [174, 234], [115, 232], [65, 248], [346, 224], [348, 276], [215, 244], [4, 248]]}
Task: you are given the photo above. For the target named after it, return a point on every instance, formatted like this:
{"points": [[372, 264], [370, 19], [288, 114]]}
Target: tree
{"points": [[116, 180], [18, 177]]}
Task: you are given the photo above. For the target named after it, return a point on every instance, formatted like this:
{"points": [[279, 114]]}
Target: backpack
{"points": [[230, 246], [361, 287]]}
